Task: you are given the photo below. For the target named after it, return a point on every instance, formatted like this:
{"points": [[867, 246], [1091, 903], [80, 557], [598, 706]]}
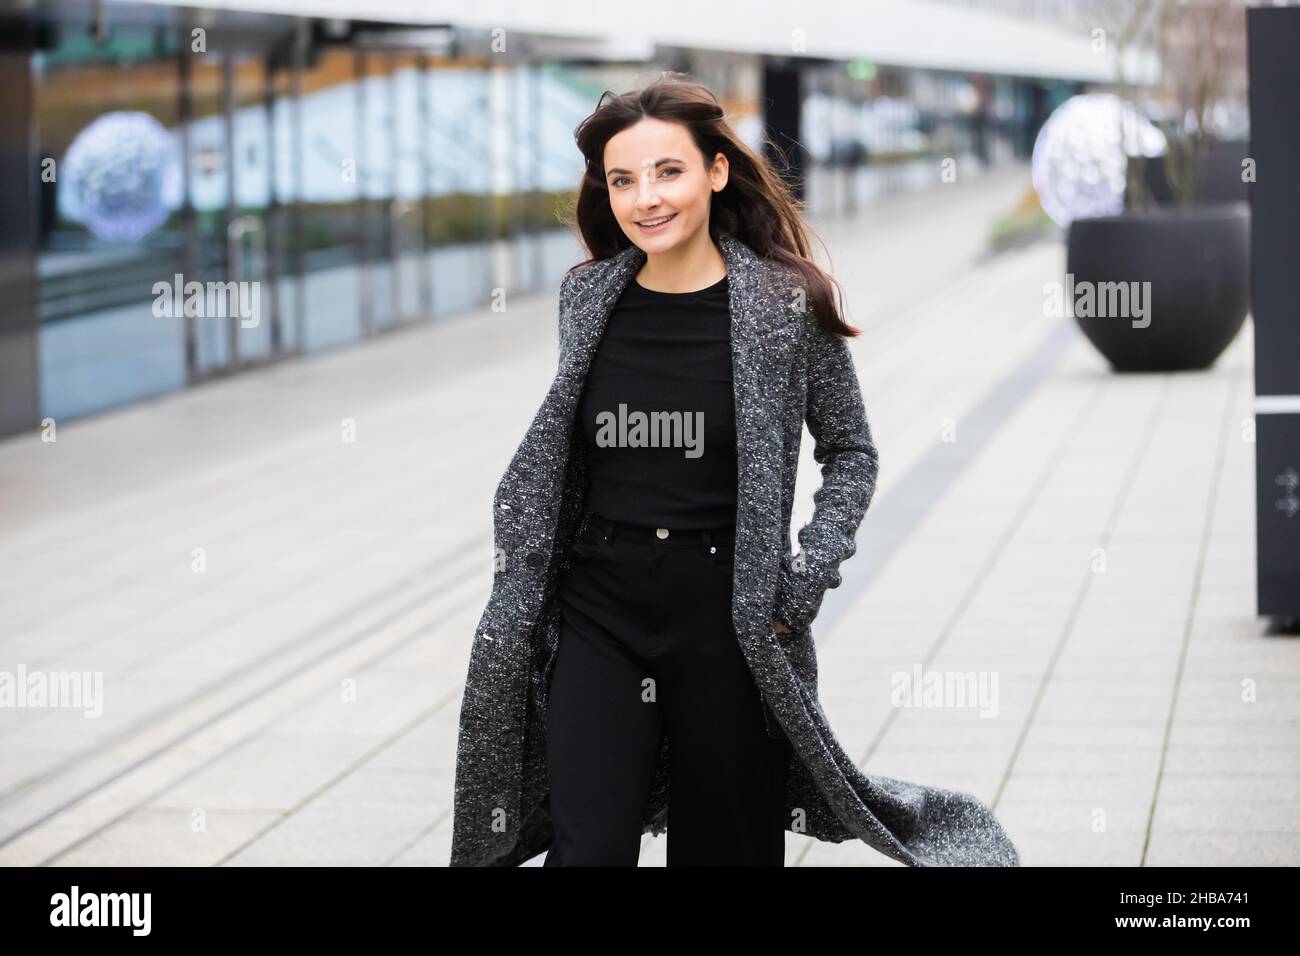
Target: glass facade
{"points": [[314, 189], [110, 223], [221, 192], [874, 130]]}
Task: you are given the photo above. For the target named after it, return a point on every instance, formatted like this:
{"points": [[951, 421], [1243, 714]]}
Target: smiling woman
{"points": [[664, 202], [650, 631], [667, 173]]}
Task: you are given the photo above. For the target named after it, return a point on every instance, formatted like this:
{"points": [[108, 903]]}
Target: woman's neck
{"points": [[684, 268]]}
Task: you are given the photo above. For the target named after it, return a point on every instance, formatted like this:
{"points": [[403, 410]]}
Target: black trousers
{"points": [[647, 646]]}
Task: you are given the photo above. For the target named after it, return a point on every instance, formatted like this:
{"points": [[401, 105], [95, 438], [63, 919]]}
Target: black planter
{"points": [[1197, 264]]}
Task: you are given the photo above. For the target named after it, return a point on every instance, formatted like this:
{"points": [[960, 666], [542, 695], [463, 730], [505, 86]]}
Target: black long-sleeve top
{"points": [[664, 352]]}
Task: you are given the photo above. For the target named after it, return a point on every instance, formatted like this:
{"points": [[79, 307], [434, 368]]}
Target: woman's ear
{"points": [[720, 173]]}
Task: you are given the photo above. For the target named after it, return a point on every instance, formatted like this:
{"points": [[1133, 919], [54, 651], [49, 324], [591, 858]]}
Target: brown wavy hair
{"points": [[756, 206]]}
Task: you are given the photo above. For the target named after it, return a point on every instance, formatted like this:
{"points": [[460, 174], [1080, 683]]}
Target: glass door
{"points": [[412, 293], [395, 113], [234, 307]]}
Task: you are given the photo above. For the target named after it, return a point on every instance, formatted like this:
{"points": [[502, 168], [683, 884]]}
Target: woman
{"points": [[649, 629]]}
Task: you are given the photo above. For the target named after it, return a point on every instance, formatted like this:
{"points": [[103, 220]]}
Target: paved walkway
{"points": [[1084, 539]]}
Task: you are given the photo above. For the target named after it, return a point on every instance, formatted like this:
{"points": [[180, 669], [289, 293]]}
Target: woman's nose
{"points": [[647, 197]]}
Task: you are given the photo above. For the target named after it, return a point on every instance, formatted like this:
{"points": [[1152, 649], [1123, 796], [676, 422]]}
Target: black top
{"points": [[666, 352]]}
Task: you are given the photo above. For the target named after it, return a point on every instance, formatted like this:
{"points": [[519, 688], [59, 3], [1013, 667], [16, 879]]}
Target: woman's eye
{"points": [[621, 179]]}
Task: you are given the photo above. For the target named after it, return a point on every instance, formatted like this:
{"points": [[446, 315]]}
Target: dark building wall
{"points": [[19, 199]]}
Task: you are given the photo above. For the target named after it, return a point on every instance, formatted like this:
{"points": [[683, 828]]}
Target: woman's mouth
{"points": [[657, 224]]}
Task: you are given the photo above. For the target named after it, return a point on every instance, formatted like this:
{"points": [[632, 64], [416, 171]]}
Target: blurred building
{"points": [[365, 174]]}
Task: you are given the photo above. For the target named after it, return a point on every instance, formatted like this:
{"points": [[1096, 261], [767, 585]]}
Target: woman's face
{"points": [[654, 172]]}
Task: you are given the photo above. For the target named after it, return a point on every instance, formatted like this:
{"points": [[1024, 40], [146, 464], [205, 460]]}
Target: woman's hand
{"points": [[780, 628]]}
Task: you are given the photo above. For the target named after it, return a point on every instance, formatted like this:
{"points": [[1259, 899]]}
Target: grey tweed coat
{"points": [[786, 370]]}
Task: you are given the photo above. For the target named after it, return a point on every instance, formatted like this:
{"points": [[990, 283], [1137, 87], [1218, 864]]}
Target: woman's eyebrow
{"points": [[628, 172]]}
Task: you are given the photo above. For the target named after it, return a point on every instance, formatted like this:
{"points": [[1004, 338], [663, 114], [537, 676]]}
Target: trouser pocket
{"points": [[588, 545]]}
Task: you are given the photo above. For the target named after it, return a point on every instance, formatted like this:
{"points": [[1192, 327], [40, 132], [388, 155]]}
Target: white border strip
{"points": [[1277, 404]]}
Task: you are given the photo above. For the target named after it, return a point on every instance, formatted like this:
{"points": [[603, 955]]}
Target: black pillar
{"points": [[20, 208], [783, 110], [1273, 38]]}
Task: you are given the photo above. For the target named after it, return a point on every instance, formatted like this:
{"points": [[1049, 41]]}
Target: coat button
{"points": [[535, 559], [661, 532]]}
